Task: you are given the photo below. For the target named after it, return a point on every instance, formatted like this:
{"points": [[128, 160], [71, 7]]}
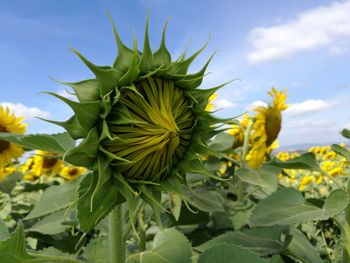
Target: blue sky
{"points": [[300, 45]]}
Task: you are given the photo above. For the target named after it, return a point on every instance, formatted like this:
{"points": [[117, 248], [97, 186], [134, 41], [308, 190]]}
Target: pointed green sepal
{"points": [[132, 73], [108, 77], [87, 113], [86, 152], [71, 125], [146, 62], [182, 66], [86, 90], [162, 55], [125, 54]]}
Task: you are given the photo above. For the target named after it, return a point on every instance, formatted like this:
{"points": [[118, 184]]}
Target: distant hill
{"points": [[302, 146]]}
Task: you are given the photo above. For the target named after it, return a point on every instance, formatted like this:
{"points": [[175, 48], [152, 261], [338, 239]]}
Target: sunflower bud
{"points": [[142, 121]]}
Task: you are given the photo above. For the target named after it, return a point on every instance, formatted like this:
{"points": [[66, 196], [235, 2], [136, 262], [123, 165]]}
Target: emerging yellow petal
{"points": [[210, 104]]}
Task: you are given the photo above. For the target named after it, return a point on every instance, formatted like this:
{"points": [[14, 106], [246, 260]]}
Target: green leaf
{"points": [[346, 133], [172, 245], [147, 257], [91, 212], [175, 201], [301, 248], [55, 143], [262, 240], [305, 161], [222, 142], [51, 224], [97, 250], [52, 251], [341, 151], [55, 198], [14, 247], [265, 177], [4, 233], [8, 183], [204, 200], [288, 206], [227, 253]]}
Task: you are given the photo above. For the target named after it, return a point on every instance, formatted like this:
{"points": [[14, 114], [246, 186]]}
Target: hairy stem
{"points": [[115, 233], [346, 231]]}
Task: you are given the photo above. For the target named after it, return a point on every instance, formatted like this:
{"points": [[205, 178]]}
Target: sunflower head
{"points": [[45, 163], [72, 172], [9, 123], [142, 121]]}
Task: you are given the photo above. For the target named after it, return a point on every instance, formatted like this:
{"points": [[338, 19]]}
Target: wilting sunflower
{"points": [[9, 123], [266, 128], [72, 172], [46, 163], [142, 122]]}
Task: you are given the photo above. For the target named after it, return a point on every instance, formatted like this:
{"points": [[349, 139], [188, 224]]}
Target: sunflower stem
{"points": [[346, 230], [115, 232], [142, 233]]}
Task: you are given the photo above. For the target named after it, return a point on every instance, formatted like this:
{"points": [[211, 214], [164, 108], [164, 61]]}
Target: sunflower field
{"points": [[147, 173]]}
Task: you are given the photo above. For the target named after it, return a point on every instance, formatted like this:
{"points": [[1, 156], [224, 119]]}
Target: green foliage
{"points": [[305, 161], [55, 198], [56, 143], [227, 253], [262, 240], [288, 206], [12, 250]]}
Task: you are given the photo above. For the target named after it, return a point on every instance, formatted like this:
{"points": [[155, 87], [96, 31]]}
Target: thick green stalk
{"points": [[115, 235], [346, 231], [142, 232]]}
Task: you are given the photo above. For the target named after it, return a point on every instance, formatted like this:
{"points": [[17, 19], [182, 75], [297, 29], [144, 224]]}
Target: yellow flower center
{"points": [[152, 128], [3, 144]]}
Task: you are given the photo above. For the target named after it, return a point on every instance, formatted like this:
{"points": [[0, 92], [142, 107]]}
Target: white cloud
{"points": [[325, 26], [309, 124], [21, 110], [256, 104], [224, 104], [308, 106]]}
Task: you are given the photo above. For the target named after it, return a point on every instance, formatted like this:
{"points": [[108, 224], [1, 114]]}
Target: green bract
{"points": [[142, 123]]}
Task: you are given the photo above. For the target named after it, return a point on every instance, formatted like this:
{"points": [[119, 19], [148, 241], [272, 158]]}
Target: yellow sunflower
{"points": [[11, 124], [266, 128], [72, 172], [46, 163], [27, 170], [5, 171], [237, 131]]}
